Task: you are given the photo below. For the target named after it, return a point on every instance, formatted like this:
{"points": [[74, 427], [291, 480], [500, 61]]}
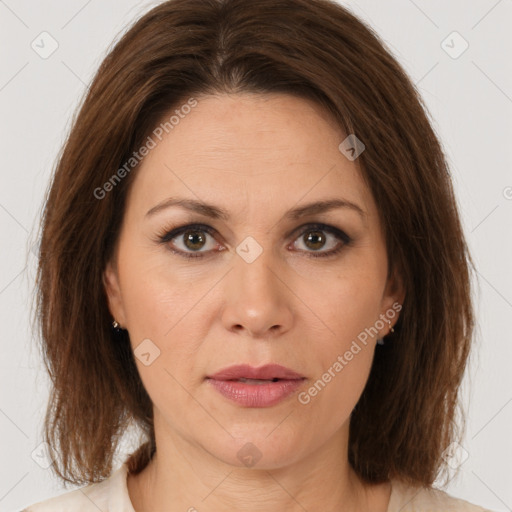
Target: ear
{"points": [[113, 291], [392, 300]]}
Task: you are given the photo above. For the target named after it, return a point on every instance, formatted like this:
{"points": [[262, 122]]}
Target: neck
{"points": [[183, 476]]}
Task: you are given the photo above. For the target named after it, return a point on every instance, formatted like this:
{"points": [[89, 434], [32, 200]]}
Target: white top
{"points": [[111, 495]]}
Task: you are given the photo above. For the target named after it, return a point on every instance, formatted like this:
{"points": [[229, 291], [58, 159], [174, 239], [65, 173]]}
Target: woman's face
{"points": [[258, 285]]}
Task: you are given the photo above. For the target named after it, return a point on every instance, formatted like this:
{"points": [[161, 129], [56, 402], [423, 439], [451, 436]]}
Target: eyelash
{"points": [[169, 234]]}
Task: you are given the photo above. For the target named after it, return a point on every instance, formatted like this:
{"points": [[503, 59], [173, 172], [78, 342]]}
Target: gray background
{"points": [[470, 101]]}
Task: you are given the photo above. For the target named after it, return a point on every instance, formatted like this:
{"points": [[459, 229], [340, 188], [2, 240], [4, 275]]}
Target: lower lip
{"points": [[256, 395]]}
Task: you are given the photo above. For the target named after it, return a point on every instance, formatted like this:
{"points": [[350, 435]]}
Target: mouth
{"points": [[255, 381], [247, 373], [256, 387]]}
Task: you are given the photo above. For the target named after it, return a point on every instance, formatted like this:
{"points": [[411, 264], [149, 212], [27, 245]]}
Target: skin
{"points": [[256, 156]]}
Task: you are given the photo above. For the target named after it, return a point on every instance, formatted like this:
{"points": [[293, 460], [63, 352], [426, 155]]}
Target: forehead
{"points": [[254, 151]]}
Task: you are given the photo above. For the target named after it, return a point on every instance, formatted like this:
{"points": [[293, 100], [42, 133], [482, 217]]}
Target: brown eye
{"points": [[190, 241], [314, 240], [194, 240], [317, 237]]}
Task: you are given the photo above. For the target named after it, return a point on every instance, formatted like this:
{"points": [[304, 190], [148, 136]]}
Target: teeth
{"points": [[257, 381]]}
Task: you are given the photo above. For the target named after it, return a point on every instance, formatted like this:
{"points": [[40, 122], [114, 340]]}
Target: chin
{"points": [[253, 448]]}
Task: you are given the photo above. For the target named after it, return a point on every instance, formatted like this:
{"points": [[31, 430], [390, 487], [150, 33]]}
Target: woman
{"points": [[251, 248]]}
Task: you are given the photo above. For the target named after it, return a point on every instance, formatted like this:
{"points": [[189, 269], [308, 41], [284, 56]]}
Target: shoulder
{"points": [[111, 495], [405, 498]]}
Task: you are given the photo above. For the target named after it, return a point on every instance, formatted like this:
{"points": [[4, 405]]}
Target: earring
{"points": [[380, 341], [116, 326]]}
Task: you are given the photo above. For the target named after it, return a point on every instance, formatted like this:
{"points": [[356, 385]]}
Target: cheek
{"points": [[331, 395], [155, 299], [150, 305], [348, 301], [345, 360], [164, 345], [163, 307], [349, 307]]}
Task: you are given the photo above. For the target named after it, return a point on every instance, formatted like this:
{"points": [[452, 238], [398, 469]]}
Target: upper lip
{"points": [[245, 371]]}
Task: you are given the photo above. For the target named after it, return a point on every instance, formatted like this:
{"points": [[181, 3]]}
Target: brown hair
{"points": [[317, 50]]}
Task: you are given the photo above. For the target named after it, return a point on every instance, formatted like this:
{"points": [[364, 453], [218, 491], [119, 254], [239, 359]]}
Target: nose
{"points": [[258, 299]]}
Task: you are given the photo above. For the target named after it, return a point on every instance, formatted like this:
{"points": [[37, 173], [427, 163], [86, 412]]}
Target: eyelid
{"points": [[170, 233], [321, 226]]}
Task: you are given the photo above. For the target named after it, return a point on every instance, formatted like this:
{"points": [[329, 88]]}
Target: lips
{"points": [[248, 386], [252, 375]]}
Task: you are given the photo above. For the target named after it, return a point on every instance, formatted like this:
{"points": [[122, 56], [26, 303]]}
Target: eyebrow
{"points": [[216, 212]]}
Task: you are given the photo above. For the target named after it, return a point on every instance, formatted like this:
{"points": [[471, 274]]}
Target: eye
{"points": [[313, 237], [193, 238]]}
